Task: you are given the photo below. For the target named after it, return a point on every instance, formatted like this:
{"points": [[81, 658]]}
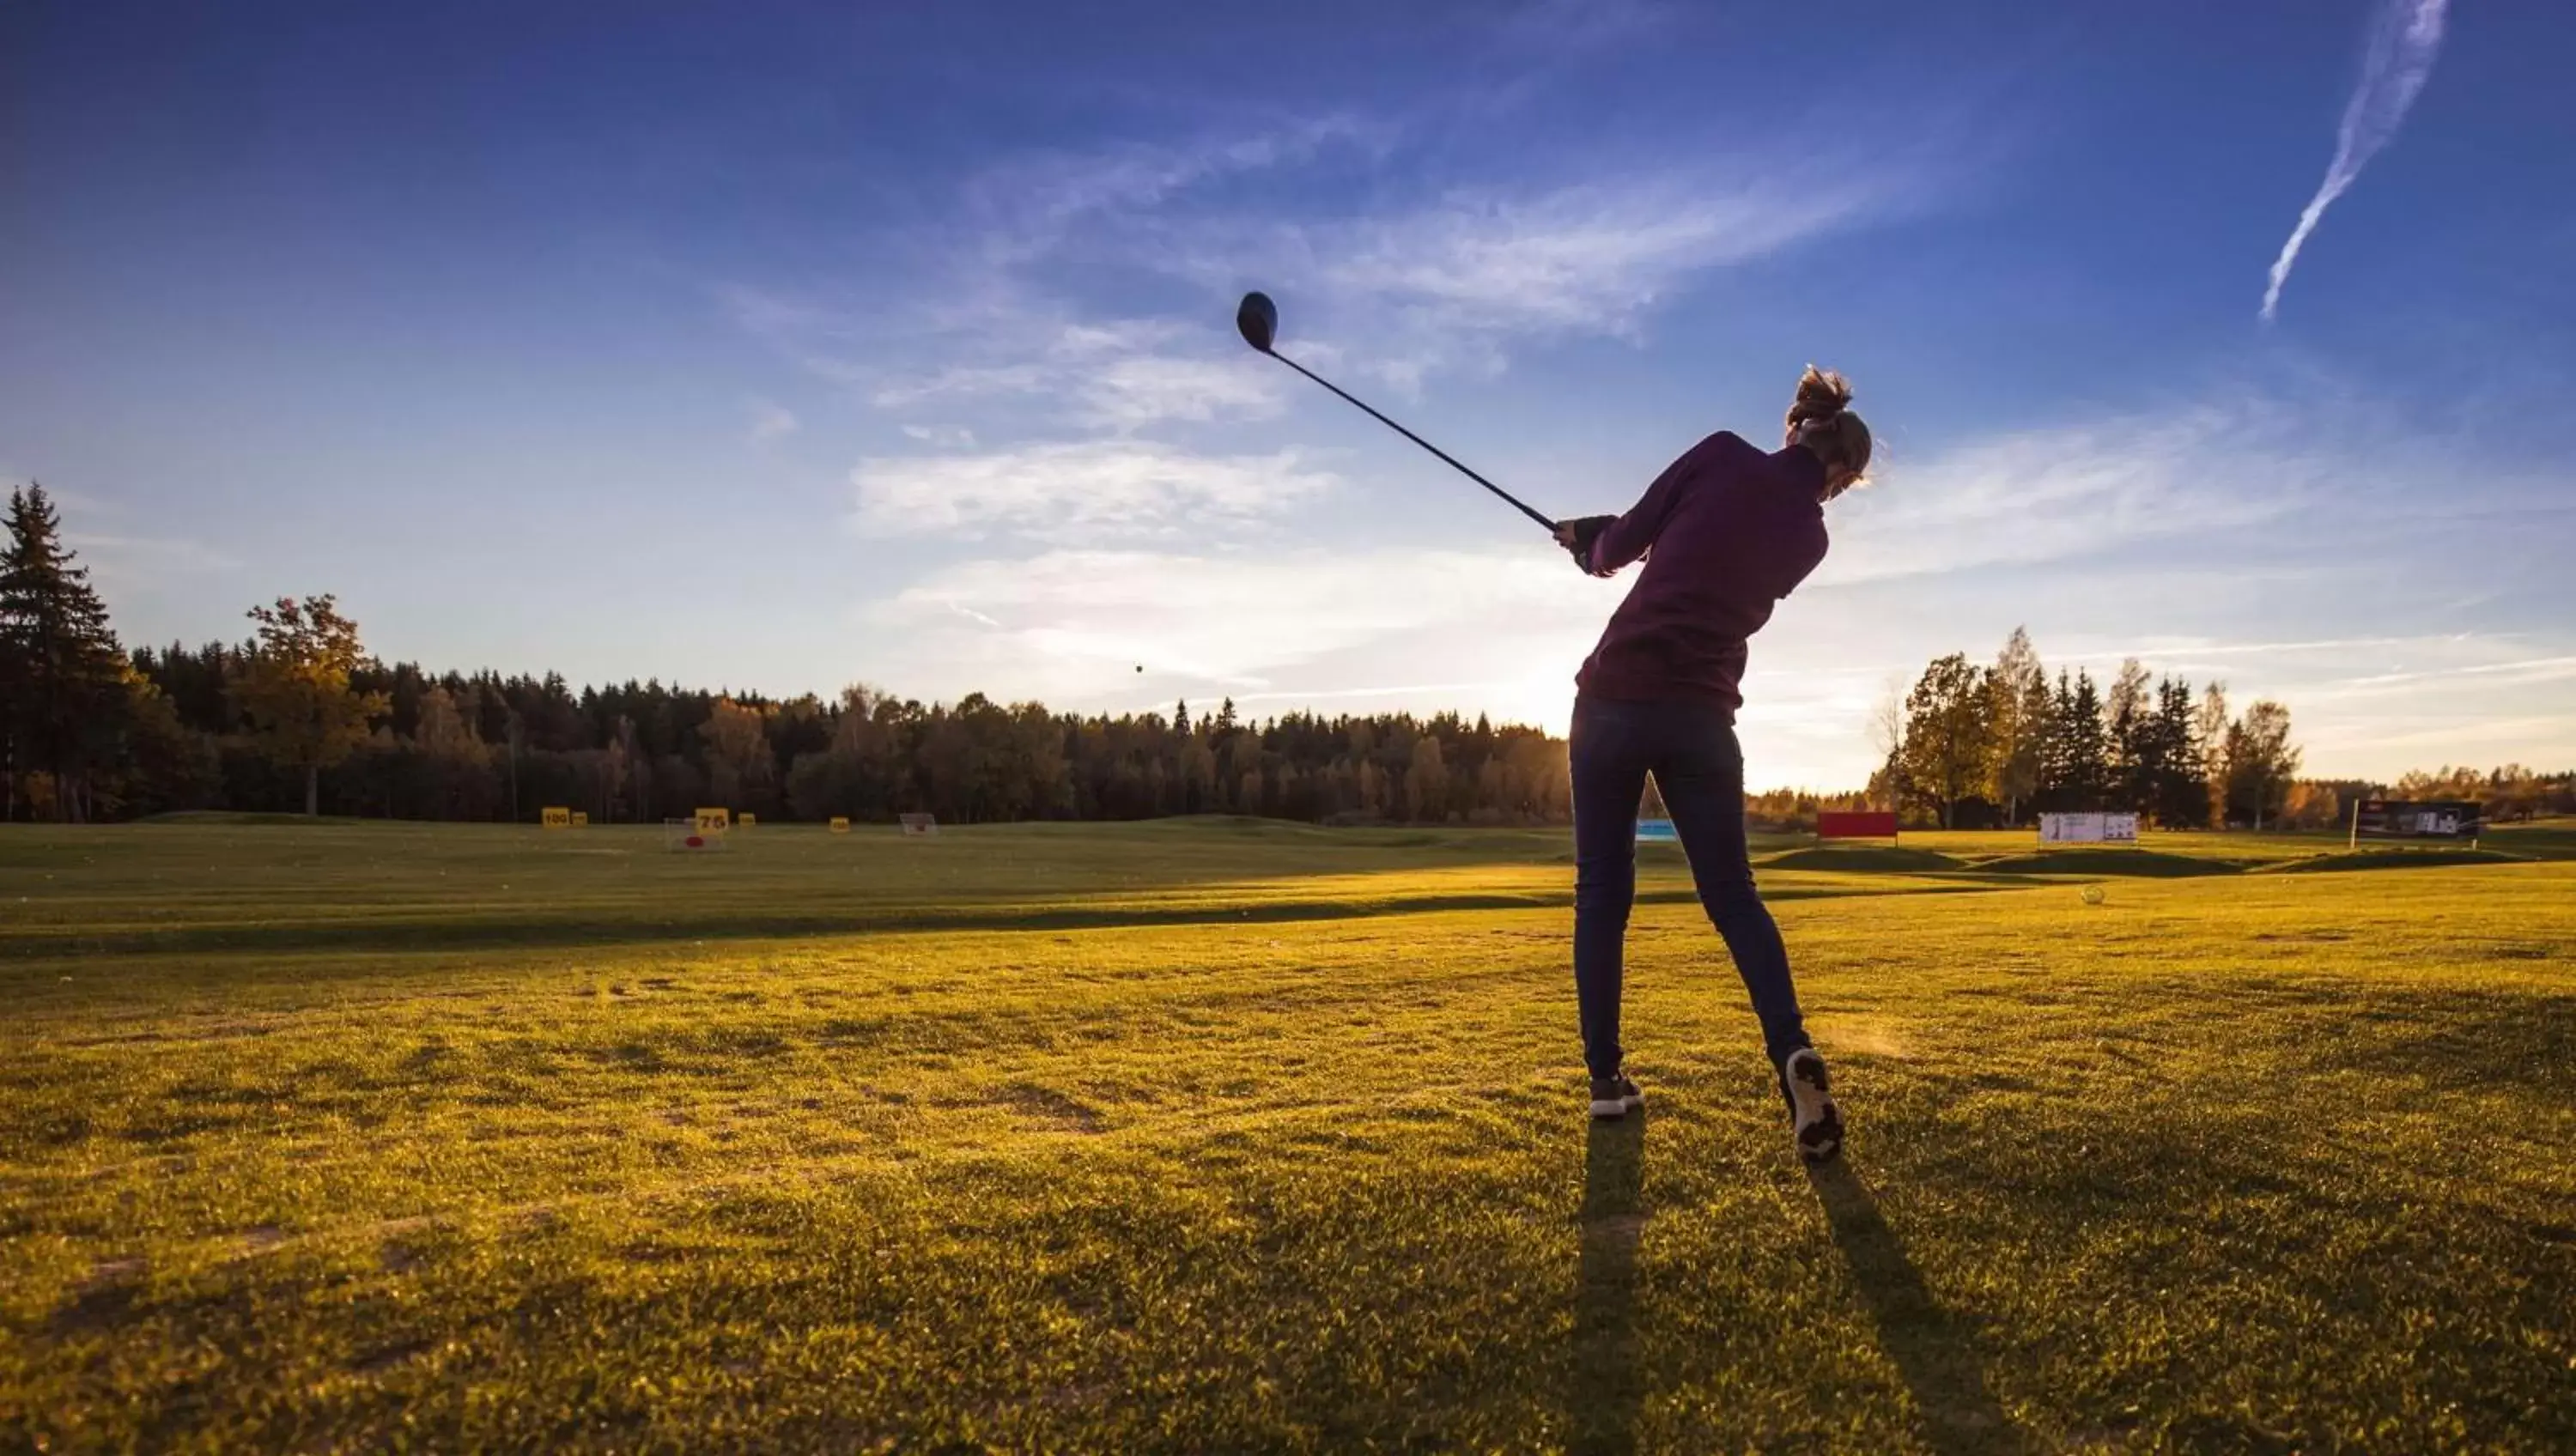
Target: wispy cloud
{"points": [[1461, 275], [1587, 257], [2405, 37], [770, 422], [1026, 206], [2054, 494], [1079, 622], [131, 557], [1119, 376], [1555, 27], [1084, 490], [2524, 672], [946, 437], [1390, 253]]}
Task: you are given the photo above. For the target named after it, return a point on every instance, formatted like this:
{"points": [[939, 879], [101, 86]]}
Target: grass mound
{"points": [[2539, 839], [1863, 859], [2392, 859], [2130, 863], [221, 817]]}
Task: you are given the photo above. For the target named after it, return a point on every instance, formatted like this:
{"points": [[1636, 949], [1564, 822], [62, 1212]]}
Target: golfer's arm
{"points": [[1627, 538]]}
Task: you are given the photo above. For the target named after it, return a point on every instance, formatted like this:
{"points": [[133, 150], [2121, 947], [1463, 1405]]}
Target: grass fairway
{"points": [[1209, 1136]]}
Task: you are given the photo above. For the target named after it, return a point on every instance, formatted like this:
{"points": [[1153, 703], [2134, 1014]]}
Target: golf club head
{"points": [[1258, 318]]}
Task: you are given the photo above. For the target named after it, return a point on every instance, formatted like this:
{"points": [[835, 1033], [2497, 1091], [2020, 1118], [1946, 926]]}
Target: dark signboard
{"points": [[2422, 819]]}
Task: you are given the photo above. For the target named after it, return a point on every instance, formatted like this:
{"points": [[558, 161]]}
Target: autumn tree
{"points": [[2261, 761], [740, 772], [2017, 708], [293, 689], [2209, 724], [2129, 734], [1948, 740], [1426, 782]]}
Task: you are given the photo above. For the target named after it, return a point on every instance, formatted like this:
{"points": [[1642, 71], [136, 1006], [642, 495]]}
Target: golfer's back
{"points": [[1727, 531]]}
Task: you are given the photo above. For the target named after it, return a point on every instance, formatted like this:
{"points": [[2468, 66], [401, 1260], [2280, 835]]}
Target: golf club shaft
{"points": [[1417, 439]]}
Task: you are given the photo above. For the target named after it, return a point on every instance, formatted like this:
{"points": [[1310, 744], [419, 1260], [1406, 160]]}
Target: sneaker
{"points": [[1811, 1105], [1615, 1097]]}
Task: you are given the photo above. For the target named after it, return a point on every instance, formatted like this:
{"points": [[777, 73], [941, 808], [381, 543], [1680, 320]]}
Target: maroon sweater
{"points": [[1731, 531]]}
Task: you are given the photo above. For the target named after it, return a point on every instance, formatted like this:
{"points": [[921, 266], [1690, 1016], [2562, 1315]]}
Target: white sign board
{"points": [[2088, 828]]}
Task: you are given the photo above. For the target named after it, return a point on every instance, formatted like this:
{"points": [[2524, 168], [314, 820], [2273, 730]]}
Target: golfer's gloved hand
{"points": [[1578, 535]]}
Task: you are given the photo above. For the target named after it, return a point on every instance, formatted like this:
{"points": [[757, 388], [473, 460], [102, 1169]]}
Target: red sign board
{"points": [[1855, 826]]}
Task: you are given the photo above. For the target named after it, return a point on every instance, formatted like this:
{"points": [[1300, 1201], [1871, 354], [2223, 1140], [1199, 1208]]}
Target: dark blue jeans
{"points": [[1691, 750]]}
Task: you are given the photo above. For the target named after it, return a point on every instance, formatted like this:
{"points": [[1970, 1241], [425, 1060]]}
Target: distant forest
{"points": [[299, 717]]}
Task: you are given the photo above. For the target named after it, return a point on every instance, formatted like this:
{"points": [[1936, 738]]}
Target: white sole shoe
{"points": [[1819, 1123], [1615, 1097]]}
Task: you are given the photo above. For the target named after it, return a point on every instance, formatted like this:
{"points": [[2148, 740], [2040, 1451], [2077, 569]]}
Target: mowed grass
{"points": [[1211, 1136]]}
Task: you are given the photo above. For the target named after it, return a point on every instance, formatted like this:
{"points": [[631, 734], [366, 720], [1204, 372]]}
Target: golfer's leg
{"points": [[1701, 773], [1608, 780]]}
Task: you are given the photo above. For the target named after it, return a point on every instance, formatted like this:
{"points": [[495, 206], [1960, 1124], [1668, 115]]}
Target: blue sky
{"points": [[781, 346]]}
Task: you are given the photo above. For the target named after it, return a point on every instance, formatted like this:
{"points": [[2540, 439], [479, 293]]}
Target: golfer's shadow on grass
{"points": [[1607, 1383], [1934, 1356]]}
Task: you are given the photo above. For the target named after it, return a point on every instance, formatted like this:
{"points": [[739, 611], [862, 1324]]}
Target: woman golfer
{"points": [[1726, 532]]}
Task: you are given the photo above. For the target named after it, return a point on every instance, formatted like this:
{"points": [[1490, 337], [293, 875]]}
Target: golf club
{"points": [[1258, 318]]}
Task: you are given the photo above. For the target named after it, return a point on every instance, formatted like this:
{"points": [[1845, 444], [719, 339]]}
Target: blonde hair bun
{"points": [[1821, 419], [1822, 394]]}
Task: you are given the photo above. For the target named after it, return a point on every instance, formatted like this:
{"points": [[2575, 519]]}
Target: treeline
{"points": [[487, 747], [2509, 793], [1973, 746], [300, 717]]}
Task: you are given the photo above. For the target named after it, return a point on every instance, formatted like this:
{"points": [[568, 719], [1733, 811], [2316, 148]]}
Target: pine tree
{"points": [[63, 697], [2056, 747], [2088, 749], [2181, 795]]}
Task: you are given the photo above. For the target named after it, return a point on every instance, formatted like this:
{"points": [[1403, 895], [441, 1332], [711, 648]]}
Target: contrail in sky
{"points": [[2403, 41]]}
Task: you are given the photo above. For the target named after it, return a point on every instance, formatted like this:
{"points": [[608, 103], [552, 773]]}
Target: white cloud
{"points": [[1024, 207], [2404, 39], [1586, 258], [946, 437], [1424, 272], [1455, 277], [1089, 490], [1277, 626], [1120, 375], [1146, 389], [2053, 494], [126, 556], [770, 422]]}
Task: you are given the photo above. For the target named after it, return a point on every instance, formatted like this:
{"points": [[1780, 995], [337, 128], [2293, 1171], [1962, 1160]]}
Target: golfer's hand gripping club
{"points": [[1578, 536]]}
